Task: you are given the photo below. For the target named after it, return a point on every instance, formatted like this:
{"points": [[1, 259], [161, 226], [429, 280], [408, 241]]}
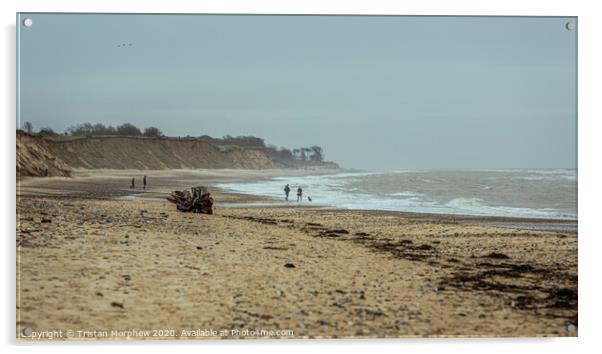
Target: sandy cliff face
{"points": [[155, 154], [35, 158], [41, 157]]}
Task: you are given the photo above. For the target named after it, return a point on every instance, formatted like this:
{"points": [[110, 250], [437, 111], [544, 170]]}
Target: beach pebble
{"points": [[117, 304], [301, 325], [571, 328], [289, 265], [339, 305], [324, 322]]}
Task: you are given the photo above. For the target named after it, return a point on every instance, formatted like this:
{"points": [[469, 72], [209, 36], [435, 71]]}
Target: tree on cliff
{"points": [[100, 129], [28, 127], [90, 129], [128, 129], [243, 141], [153, 132], [317, 154], [47, 132], [303, 154]]}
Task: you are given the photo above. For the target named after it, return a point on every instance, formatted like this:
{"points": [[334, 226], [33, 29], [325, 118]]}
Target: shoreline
{"points": [[231, 199]]}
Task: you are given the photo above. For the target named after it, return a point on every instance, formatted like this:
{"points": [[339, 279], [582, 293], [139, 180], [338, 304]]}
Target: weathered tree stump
{"points": [[197, 200]]}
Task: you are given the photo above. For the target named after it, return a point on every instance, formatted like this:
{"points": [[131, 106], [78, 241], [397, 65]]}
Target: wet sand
{"points": [[87, 261]]}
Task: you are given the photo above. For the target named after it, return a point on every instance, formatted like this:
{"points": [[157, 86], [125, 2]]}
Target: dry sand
{"points": [[89, 262]]}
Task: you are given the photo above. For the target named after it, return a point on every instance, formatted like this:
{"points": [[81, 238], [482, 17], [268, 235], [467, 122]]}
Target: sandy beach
{"points": [[92, 260]]}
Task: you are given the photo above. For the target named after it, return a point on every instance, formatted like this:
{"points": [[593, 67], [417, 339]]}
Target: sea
{"points": [[528, 193]]}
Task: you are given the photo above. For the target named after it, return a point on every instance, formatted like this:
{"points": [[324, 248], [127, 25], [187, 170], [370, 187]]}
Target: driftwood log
{"points": [[197, 200]]}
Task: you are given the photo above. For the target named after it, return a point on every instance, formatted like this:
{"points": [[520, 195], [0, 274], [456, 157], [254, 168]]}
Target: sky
{"points": [[377, 93]]}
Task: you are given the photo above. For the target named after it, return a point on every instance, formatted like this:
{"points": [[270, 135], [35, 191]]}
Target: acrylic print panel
{"points": [[248, 176]]}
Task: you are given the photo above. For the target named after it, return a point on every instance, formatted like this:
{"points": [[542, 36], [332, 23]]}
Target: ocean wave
{"points": [[405, 194], [476, 206], [546, 177], [379, 191]]}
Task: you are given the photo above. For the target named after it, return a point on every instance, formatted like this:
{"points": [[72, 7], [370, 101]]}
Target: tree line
{"points": [[98, 129], [298, 156], [280, 154], [303, 155]]}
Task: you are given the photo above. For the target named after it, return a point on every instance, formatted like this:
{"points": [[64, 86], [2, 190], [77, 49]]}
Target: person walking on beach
{"points": [[144, 182], [287, 190], [133, 183], [299, 194]]}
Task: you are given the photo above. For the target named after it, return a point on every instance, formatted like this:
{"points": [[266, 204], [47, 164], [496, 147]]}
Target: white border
{"points": [[590, 178]]}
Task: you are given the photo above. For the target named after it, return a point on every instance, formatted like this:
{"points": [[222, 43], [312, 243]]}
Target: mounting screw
{"points": [[570, 26], [26, 332]]}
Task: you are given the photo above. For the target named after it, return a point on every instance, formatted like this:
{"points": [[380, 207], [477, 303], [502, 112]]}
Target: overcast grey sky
{"points": [[376, 92]]}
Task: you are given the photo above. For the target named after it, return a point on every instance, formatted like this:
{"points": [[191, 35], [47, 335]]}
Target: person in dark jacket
{"points": [[144, 182], [299, 194], [287, 190]]}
